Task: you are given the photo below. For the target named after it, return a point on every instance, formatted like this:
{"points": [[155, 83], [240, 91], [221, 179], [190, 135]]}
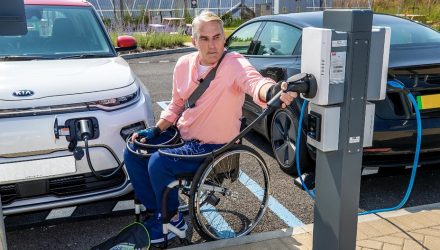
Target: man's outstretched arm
{"points": [[267, 91]]}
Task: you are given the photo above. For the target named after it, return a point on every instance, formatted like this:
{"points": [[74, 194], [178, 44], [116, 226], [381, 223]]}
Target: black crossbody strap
{"points": [[203, 86]]}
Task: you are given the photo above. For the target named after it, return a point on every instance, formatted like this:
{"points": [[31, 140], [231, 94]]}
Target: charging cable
{"points": [[400, 87], [98, 175], [297, 145], [86, 132]]}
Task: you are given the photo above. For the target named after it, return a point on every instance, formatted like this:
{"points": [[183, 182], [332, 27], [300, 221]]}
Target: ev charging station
{"points": [[349, 59]]}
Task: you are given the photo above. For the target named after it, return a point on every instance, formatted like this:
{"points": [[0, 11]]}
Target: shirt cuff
{"points": [[169, 116], [256, 96]]}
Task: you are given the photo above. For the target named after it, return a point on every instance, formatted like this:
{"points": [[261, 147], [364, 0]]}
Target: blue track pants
{"points": [[150, 176]]}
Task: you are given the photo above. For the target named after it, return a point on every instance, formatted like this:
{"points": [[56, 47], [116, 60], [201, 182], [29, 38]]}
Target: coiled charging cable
{"points": [[400, 87]]}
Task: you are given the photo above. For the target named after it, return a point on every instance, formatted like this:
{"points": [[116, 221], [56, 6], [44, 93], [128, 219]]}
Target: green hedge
{"points": [[155, 40], [428, 9]]}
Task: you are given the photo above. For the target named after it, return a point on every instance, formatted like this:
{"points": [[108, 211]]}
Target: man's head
{"points": [[208, 37]]}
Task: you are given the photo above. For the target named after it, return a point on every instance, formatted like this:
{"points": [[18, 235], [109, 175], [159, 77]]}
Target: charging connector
{"points": [[85, 128], [80, 128]]}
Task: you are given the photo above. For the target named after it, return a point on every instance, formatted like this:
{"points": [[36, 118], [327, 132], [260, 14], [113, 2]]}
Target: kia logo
{"points": [[23, 93]]}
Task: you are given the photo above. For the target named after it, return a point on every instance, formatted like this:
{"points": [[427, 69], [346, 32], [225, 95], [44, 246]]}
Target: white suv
{"points": [[60, 83]]}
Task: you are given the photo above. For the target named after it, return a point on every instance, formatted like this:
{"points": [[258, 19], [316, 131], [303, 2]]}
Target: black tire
{"points": [[283, 134], [219, 215]]}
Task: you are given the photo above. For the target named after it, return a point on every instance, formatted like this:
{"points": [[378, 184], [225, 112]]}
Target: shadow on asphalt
{"points": [[260, 142]]}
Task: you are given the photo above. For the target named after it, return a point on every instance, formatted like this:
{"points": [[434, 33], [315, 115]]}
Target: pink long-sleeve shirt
{"points": [[215, 116]]}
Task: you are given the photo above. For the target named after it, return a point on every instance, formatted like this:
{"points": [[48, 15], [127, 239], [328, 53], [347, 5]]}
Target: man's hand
{"points": [[287, 97], [146, 134]]}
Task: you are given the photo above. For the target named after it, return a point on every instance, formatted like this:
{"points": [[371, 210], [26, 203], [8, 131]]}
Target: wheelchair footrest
{"points": [[181, 233]]}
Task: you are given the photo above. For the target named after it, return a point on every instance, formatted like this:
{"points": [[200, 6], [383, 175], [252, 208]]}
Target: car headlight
{"points": [[115, 103], [105, 104]]}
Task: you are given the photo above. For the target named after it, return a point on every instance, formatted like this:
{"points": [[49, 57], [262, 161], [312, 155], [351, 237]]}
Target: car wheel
{"points": [[284, 128]]}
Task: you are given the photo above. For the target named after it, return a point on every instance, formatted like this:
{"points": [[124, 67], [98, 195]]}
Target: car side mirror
{"points": [[126, 43]]}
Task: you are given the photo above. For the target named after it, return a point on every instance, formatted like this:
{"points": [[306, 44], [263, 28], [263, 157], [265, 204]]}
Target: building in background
{"points": [[111, 9]]}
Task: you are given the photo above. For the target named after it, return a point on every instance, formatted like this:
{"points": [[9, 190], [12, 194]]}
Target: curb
{"points": [[288, 232], [158, 52]]}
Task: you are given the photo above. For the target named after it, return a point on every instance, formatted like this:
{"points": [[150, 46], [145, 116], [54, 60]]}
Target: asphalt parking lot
{"points": [[289, 206]]}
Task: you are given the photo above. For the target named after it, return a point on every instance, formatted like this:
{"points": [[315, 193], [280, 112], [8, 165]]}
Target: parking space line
{"points": [[225, 231], [369, 171], [124, 205], [277, 208], [163, 104], [60, 213]]}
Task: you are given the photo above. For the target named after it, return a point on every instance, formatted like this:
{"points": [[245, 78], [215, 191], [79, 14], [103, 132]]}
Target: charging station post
{"points": [[338, 172], [3, 244]]}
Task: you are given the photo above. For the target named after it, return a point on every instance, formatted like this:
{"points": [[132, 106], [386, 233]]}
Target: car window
{"points": [[277, 39], [240, 41], [57, 31], [404, 32]]}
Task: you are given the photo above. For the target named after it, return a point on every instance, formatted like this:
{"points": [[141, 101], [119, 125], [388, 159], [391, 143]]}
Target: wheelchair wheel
{"points": [[229, 194]]}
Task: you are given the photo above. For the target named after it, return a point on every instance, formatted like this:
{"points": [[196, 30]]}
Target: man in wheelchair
{"points": [[205, 125]]}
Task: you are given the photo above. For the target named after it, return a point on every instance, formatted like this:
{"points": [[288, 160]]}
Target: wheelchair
{"points": [[226, 197], [229, 193]]}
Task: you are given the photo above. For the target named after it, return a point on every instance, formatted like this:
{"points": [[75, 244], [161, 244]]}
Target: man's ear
{"points": [[194, 41]]}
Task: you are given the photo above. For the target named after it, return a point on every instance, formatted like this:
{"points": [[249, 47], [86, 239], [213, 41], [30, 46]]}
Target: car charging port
{"points": [[81, 128], [85, 129]]}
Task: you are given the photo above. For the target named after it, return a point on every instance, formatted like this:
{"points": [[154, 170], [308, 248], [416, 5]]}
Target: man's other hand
{"points": [[146, 134]]}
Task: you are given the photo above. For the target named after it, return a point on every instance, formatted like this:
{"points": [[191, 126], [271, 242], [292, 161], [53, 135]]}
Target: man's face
{"points": [[210, 42]]}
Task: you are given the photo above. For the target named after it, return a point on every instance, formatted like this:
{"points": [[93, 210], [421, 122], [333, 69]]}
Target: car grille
{"points": [[430, 78], [65, 186], [392, 160], [8, 193]]}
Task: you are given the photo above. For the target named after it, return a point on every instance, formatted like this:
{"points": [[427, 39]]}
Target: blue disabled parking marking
{"points": [[277, 208], [219, 224]]}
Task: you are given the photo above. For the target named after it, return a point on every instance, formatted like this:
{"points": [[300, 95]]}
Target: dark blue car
{"points": [[273, 45]]}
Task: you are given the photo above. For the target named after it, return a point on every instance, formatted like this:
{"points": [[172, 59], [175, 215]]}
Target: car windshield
{"points": [[405, 32], [58, 32]]}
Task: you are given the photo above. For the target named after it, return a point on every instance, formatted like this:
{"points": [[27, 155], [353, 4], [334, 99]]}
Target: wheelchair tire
{"points": [[229, 194]]}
